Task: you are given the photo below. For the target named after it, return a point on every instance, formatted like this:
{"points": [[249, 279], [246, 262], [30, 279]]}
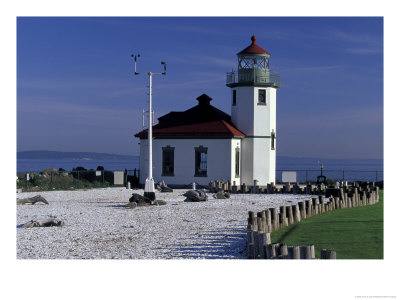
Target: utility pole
{"points": [[149, 190]]}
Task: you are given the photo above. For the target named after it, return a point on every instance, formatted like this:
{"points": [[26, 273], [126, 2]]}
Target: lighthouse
{"points": [[203, 143], [253, 111]]}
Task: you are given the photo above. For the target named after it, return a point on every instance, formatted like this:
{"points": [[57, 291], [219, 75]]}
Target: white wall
{"points": [[220, 160], [258, 121], [243, 112]]}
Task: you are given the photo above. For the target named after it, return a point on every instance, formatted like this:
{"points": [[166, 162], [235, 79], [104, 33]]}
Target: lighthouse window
{"points": [[234, 98], [200, 161], [261, 97], [168, 161]]}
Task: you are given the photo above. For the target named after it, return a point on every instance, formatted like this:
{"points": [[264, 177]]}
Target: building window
{"points": [[261, 97], [168, 161], [272, 140], [237, 162], [234, 98], [200, 159]]}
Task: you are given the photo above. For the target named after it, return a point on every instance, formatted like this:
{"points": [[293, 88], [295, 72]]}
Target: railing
{"points": [[254, 76], [343, 175]]}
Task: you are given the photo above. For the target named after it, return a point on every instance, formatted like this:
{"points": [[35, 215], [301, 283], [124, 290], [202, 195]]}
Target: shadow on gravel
{"points": [[224, 243], [117, 205]]}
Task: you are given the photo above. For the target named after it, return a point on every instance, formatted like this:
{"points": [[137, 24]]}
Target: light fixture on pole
{"points": [[149, 190]]}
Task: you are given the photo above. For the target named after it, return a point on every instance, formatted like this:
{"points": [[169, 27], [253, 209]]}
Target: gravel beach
{"points": [[97, 226]]}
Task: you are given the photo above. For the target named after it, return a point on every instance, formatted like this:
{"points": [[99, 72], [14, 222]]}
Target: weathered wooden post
{"points": [[309, 208], [377, 193], [268, 220], [264, 221], [261, 245], [296, 213], [283, 250], [321, 204], [282, 217], [328, 254], [274, 219], [234, 187], [296, 252], [289, 214], [286, 187], [271, 251], [303, 213], [252, 218], [244, 189], [259, 222], [312, 250], [315, 206]]}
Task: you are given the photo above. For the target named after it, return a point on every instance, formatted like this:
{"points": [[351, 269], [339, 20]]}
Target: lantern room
{"points": [[253, 68]]}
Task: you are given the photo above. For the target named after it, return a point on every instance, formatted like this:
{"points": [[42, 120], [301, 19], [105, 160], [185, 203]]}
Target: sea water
{"points": [[307, 169]]}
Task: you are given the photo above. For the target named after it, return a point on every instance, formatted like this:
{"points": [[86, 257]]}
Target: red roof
{"points": [[254, 48], [203, 120]]}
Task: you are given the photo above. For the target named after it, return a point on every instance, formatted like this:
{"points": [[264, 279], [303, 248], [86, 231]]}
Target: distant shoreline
{"points": [[59, 155]]}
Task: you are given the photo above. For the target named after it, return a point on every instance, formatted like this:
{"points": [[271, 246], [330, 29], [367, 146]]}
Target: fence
{"points": [[343, 175], [75, 179], [261, 224]]}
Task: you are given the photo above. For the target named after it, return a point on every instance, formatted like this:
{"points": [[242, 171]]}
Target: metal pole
{"points": [[149, 190], [150, 133]]}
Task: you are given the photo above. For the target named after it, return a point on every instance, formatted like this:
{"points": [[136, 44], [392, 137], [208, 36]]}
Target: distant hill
{"points": [[59, 155]]}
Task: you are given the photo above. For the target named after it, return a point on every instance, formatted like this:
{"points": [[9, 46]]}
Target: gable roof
{"points": [[202, 120]]}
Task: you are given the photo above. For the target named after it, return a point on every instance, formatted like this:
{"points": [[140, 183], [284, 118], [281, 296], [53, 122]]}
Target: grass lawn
{"points": [[354, 233]]}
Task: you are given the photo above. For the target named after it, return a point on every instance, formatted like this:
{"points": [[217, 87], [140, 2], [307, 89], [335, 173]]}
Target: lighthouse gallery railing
{"points": [[250, 76]]}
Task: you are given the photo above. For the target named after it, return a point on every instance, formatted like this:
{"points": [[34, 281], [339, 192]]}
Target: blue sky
{"points": [[76, 90]]}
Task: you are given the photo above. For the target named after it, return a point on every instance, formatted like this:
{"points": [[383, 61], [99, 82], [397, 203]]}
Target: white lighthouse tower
{"points": [[253, 90]]}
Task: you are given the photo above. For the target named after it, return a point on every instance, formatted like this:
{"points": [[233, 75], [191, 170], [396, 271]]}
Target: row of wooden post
{"points": [[287, 188], [262, 223], [261, 249]]}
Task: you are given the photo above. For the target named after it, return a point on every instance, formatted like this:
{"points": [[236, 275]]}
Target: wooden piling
{"points": [[328, 254], [309, 208], [296, 252], [302, 207], [274, 219], [296, 213], [321, 203], [269, 220], [283, 250], [282, 216], [289, 214]]}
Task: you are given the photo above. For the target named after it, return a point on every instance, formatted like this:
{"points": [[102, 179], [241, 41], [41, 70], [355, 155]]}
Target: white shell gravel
{"points": [[97, 226]]}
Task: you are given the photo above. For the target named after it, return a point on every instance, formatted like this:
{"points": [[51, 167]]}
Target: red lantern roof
{"points": [[253, 48]]}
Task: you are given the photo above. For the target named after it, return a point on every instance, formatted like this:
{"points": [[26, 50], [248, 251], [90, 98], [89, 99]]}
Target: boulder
{"points": [[140, 200], [32, 200], [43, 223], [222, 195], [195, 196]]}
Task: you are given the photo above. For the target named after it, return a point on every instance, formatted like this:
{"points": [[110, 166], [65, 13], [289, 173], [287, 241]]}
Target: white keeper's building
{"points": [[203, 143]]}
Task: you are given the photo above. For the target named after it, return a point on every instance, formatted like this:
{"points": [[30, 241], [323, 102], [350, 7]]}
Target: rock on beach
{"points": [[98, 225]]}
